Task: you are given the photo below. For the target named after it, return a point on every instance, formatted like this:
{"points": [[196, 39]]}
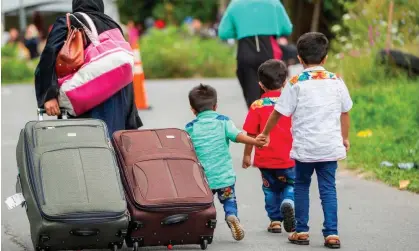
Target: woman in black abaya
{"points": [[119, 111]]}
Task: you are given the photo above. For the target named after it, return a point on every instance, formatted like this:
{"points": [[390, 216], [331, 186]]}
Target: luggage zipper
{"points": [[59, 126], [163, 208], [176, 208], [102, 216]]}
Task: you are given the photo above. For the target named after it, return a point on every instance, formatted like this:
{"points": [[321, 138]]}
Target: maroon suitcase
{"points": [[168, 195]]}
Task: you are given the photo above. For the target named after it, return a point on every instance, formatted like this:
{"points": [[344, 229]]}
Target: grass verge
{"points": [[389, 109]]}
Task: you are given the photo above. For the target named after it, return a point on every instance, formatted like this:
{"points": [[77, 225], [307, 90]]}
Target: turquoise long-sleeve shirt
{"points": [[245, 18], [211, 134]]}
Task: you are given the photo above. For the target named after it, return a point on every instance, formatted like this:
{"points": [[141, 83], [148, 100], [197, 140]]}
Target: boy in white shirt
{"points": [[318, 102]]}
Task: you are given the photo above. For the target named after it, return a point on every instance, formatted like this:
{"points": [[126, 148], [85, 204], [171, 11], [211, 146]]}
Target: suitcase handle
{"points": [[175, 219], [41, 112], [84, 232]]}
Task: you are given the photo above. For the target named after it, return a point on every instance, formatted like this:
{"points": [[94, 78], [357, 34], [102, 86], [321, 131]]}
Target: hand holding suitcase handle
{"points": [[41, 112], [84, 232], [175, 219]]}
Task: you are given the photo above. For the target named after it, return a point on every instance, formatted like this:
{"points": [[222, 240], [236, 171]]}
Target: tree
{"points": [[316, 15], [178, 10], [135, 10]]}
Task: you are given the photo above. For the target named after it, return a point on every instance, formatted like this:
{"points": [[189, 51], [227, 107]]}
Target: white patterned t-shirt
{"points": [[315, 100]]}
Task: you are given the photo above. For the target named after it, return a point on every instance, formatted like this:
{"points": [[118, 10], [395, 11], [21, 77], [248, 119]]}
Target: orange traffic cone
{"points": [[140, 93]]}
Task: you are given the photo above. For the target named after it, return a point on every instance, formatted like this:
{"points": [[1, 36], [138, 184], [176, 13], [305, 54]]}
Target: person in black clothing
{"points": [[256, 24], [119, 111], [249, 58]]}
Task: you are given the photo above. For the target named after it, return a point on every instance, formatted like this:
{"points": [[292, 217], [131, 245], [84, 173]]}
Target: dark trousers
{"points": [[248, 78]]}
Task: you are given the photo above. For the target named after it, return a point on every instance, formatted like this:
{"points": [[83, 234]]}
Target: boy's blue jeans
{"points": [[227, 197], [326, 177], [278, 186]]}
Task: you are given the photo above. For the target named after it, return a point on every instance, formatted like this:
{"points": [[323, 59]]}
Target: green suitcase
{"points": [[69, 178]]}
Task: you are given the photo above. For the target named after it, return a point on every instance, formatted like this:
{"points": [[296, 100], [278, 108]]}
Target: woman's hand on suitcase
{"points": [[52, 108]]}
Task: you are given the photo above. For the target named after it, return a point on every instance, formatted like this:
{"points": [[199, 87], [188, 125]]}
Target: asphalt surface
{"points": [[372, 216]]}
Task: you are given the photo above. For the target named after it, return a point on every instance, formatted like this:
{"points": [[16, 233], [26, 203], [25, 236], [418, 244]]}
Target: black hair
{"points": [[203, 98], [312, 47], [272, 74]]}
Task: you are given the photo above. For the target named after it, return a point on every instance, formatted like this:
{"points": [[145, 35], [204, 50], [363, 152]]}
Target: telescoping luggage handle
{"points": [[41, 111]]}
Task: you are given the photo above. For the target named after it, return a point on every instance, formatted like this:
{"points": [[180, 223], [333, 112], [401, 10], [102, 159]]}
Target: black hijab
{"points": [[87, 6], [96, 11]]}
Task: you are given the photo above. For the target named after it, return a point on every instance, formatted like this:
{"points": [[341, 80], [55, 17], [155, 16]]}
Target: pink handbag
{"points": [[108, 67]]}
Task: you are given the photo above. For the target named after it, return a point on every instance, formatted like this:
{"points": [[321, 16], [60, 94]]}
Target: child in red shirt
{"points": [[273, 161]]}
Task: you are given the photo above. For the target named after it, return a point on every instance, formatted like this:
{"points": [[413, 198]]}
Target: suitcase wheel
{"points": [[114, 248], [204, 244], [135, 246]]}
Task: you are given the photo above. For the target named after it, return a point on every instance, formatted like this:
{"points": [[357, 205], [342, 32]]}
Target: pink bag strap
{"points": [[92, 32]]}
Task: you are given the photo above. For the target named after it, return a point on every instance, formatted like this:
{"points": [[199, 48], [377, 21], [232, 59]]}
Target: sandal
{"points": [[299, 238], [332, 241], [275, 227]]}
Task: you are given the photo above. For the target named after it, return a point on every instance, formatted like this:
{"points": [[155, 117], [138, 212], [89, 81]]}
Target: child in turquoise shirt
{"points": [[211, 134]]}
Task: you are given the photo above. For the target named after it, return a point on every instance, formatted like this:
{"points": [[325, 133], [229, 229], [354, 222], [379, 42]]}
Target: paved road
{"points": [[372, 215]]}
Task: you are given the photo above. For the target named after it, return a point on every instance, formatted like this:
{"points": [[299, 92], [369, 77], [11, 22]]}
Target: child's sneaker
{"points": [[287, 210], [332, 241], [275, 227], [302, 238], [236, 228]]}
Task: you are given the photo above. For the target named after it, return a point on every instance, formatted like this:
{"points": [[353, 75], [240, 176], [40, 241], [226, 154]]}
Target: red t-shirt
{"points": [[277, 154]]}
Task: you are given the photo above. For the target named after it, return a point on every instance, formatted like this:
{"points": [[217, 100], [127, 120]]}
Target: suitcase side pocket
{"points": [[175, 219]]}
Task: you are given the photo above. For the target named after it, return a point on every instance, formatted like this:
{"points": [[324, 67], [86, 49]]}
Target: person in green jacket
{"points": [[255, 24]]}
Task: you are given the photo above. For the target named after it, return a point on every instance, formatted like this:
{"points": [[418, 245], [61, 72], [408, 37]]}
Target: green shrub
{"points": [[15, 71], [172, 53], [391, 111], [9, 50], [363, 32], [175, 11], [364, 69], [365, 26]]}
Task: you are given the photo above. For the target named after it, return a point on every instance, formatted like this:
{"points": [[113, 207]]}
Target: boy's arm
{"points": [[346, 106], [345, 123], [237, 136], [272, 121], [248, 149], [247, 155], [285, 106], [252, 127], [242, 138], [263, 138]]}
